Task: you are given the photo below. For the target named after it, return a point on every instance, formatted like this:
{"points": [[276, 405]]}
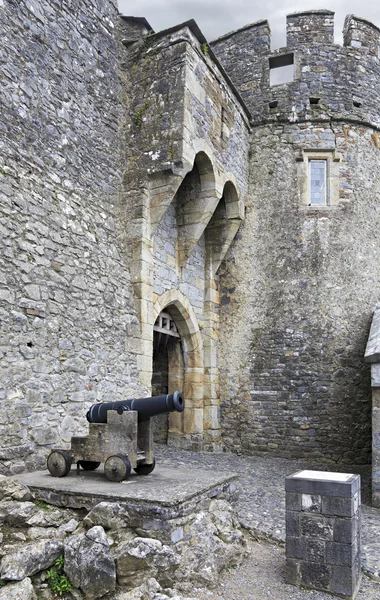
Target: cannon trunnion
{"points": [[120, 436]]}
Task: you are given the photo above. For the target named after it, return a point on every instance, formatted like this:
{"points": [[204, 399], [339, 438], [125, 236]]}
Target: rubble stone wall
{"points": [[116, 546], [299, 286], [66, 299], [301, 282]]}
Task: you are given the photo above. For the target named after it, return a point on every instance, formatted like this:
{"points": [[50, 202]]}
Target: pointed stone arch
{"points": [[194, 212], [186, 430], [223, 226]]}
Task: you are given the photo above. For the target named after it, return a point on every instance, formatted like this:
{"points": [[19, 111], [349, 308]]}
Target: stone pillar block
{"points": [[323, 532]]}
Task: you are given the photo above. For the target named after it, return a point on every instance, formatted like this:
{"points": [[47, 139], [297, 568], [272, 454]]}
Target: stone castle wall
{"points": [[343, 78], [66, 299], [185, 140], [97, 139], [301, 281]]}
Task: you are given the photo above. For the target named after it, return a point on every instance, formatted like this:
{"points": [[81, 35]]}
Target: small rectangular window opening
{"points": [[281, 69], [314, 100], [317, 182]]}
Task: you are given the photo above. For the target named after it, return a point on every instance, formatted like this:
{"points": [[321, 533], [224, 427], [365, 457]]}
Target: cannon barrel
{"points": [[146, 407]]}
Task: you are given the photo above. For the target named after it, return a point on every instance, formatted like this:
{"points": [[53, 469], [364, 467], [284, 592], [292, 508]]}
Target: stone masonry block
{"points": [[376, 394], [346, 530], [292, 572], [341, 554], [311, 503], [318, 527], [292, 523], [325, 484], [315, 575], [376, 499], [376, 440], [344, 581], [295, 547], [340, 507], [293, 501], [315, 550]]}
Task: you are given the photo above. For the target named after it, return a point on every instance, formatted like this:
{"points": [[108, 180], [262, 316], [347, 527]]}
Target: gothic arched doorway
{"points": [[185, 430], [168, 368]]}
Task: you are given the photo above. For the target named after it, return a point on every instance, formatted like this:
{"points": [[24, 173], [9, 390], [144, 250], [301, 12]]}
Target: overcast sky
{"points": [[216, 17]]}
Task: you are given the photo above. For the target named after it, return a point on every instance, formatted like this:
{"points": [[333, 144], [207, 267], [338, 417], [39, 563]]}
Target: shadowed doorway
{"points": [[168, 369]]}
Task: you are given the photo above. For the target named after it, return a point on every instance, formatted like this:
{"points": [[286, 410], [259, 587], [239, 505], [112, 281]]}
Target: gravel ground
{"points": [[262, 577], [262, 501]]}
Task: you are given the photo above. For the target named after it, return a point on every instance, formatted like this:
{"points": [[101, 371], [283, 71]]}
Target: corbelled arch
{"points": [[223, 226], [163, 185], [186, 430], [195, 206]]}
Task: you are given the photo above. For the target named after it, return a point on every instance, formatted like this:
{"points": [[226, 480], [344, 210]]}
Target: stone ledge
{"points": [[323, 483], [166, 486]]}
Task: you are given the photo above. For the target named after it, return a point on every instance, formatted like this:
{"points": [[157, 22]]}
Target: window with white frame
{"points": [[318, 192], [318, 177]]}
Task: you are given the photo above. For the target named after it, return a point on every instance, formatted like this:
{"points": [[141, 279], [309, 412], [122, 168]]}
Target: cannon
{"points": [[120, 436]]}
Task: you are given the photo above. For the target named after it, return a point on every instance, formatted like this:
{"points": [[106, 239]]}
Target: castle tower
{"points": [[300, 283]]}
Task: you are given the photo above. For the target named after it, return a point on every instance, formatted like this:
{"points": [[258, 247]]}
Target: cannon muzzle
{"points": [[146, 407]]}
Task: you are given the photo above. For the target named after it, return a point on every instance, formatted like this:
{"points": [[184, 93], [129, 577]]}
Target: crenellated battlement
{"points": [[329, 81], [360, 33], [310, 27]]}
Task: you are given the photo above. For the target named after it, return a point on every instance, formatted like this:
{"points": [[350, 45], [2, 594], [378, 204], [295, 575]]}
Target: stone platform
{"points": [[177, 526], [167, 486]]}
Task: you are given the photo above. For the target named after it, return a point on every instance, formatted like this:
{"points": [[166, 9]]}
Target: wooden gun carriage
{"points": [[120, 436]]}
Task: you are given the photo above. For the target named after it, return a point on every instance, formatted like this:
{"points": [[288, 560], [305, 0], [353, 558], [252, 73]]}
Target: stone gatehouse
{"points": [[171, 217]]}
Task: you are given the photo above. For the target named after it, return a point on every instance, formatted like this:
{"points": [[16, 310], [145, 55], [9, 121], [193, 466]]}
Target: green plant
{"points": [[140, 113], [57, 580], [148, 39], [60, 563], [2, 582], [204, 48], [42, 504]]}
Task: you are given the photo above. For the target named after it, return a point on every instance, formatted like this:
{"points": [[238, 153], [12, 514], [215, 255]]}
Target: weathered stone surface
{"points": [[11, 489], [145, 554], [109, 515], [208, 554], [182, 526], [18, 591], [372, 351], [224, 518], [53, 532], [67, 304], [150, 590], [89, 564], [29, 560], [29, 514], [17, 513]]}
